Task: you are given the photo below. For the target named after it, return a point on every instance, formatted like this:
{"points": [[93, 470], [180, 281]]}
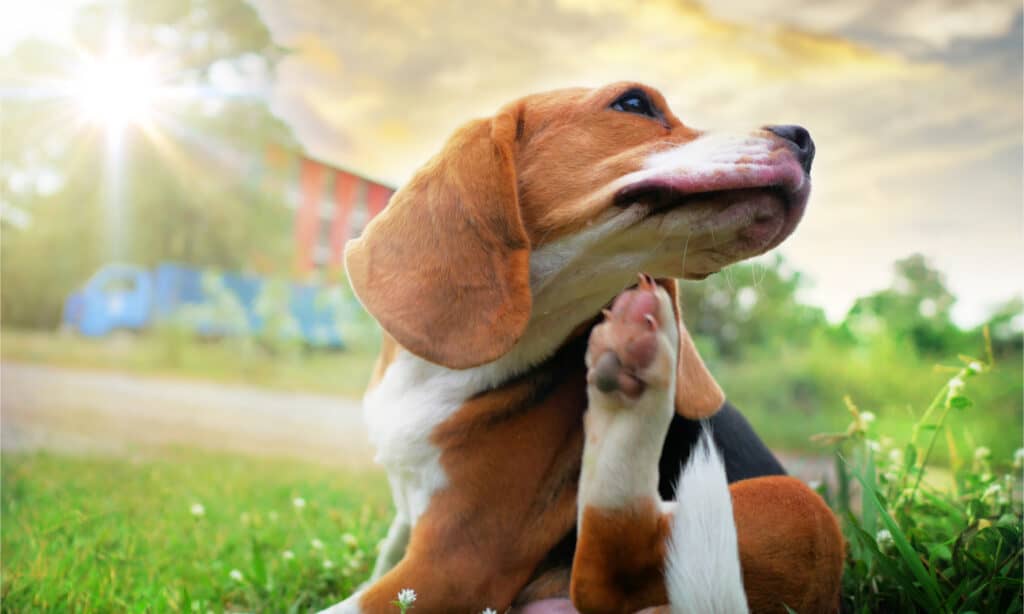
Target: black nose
{"points": [[802, 142]]}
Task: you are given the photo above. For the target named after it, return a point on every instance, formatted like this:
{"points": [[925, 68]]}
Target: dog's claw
{"points": [[646, 282]]}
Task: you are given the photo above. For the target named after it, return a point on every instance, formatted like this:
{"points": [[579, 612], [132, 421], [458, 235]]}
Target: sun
{"points": [[116, 90]]}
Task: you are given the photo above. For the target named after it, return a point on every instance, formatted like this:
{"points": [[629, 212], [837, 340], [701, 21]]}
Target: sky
{"points": [[915, 106]]}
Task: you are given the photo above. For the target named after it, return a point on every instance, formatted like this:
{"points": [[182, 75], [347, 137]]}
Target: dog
{"points": [[532, 434]]}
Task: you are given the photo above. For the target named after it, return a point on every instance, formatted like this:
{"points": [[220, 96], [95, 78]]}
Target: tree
{"points": [[917, 306], [750, 305], [191, 190]]}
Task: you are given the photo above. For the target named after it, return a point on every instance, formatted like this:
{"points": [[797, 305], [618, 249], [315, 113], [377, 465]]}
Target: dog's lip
{"points": [[664, 192]]}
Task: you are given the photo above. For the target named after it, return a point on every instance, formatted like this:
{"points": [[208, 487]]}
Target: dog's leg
{"points": [[635, 550], [623, 524]]}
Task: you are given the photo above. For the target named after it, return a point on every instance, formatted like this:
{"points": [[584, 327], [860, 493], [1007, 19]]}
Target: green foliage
{"points": [[952, 543], [185, 531], [786, 367]]}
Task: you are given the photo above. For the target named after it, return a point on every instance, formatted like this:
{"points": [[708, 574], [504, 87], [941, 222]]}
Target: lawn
{"points": [[927, 459], [181, 531]]}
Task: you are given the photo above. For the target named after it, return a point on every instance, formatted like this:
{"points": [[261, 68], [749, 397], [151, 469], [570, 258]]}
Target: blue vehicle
{"points": [[129, 297]]}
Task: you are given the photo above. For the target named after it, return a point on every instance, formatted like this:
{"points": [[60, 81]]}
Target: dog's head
{"points": [[570, 192]]}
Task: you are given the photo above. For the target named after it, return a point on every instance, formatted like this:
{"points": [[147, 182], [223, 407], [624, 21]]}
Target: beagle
{"points": [[530, 447]]}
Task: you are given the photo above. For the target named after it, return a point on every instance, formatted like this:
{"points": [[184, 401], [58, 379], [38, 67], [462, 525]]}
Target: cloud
{"points": [[909, 24], [915, 106]]}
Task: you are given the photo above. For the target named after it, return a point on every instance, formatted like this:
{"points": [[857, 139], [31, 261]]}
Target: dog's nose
{"points": [[801, 140]]}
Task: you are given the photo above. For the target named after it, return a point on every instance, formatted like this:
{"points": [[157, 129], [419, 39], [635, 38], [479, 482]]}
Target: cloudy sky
{"points": [[916, 106]]}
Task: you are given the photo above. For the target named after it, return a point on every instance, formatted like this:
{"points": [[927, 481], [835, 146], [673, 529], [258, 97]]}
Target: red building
{"points": [[332, 206]]}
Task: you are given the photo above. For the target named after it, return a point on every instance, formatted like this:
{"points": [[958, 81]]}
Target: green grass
{"points": [[91, 534], [165, 353], [917, 547], [95, 534]]}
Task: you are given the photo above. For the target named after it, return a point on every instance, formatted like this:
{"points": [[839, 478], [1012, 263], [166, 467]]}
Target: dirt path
{"points": [[73, 410]]}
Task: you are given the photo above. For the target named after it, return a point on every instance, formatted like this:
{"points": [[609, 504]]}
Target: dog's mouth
{"points": [[758, 212]]}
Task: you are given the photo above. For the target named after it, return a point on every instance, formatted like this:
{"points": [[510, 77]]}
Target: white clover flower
{"points": [[982, 453], [867, 417], [299, 503], [316, 543], [884, 539], [896, 456], [406, 597], [349, 540], [197, 510], [328, 564], [956, 386], [992, 493], [288, 555], [1018, 458], [873, 445], [236, 575], [975, 367]]}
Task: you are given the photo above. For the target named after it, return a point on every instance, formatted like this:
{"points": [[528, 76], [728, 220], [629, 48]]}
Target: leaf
{"points": [[940, 551], [867, 510], [927, 582], [259, 568], [960, 402]]}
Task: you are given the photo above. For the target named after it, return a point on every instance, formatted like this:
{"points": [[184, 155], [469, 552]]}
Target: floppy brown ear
{"points": [[698, 395], [445, 267]]}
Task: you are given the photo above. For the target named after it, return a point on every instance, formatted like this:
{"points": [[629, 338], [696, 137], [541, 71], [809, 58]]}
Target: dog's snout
{"points": [[802, 142]]}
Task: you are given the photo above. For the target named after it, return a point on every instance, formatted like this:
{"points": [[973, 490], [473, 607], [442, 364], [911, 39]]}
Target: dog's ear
{"points": [[445, 267], [698, 395]]}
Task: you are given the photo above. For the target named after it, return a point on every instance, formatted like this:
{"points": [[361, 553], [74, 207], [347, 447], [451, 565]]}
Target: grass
{"points": [[915, 547], [184, 531], [96, 534]]}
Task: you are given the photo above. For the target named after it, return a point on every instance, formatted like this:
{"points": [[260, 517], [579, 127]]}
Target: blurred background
{"points": [[178, 180]]}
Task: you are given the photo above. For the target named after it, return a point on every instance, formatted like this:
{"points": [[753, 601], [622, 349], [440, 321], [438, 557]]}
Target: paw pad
{"points": [[626, 342]]}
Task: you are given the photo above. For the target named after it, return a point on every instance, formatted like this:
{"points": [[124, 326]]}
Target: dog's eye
{"points": [[635, 101]]}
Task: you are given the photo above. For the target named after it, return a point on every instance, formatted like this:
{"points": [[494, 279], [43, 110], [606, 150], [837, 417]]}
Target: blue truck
{"points": [[132, 298]]}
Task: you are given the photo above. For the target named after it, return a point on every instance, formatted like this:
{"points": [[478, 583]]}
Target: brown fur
{"points": [[620, 558], [455, 288], [791, 548]]}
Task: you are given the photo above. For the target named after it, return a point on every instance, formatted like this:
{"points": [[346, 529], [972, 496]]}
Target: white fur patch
{"points": [[712, 152], [702, 571]]}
